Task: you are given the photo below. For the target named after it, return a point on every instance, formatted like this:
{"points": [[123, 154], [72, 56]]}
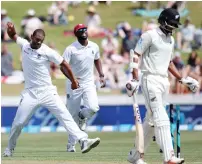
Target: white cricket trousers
{"points": [[87, 93], [155, 89], [47, 97]]}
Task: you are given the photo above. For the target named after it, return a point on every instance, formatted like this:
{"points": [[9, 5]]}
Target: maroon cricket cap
{"points": [[79, 26]]}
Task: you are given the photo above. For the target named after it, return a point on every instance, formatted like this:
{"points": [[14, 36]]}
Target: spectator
{"points": [[200, 76], [106, 2], [178, 62], [198, 38], [8, 75], [113, 63], [193, 65], [109, 45], [4, 20], [149, 25], [147, 4], [192, 59], [95, 3], [128, 43], [74, 3], [122, 28], [196, 72], [30, 24], [93, 21], [57, 13], [186, 36], [178, 5], [6, 61]]}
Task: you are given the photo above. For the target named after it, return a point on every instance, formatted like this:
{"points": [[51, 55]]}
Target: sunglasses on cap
{"points": [[82, 30]]}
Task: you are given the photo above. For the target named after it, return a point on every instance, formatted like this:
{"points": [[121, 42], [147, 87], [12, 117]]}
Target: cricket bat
{"points": [[139, 141]]}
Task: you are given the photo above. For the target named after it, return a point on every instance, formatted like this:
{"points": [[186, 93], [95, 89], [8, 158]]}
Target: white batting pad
{"points": [[163, 138]]}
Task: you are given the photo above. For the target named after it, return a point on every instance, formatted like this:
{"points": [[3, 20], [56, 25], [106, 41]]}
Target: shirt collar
{"points": [[159, 31], [81, 46]]}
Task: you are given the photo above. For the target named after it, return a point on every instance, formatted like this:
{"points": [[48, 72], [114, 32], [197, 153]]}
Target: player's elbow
{"points": [[61, 69], [137, 54], [64, 66], [135, 60]]}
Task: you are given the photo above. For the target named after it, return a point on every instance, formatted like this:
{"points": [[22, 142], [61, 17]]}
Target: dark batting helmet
{"points": [[169, 19]]}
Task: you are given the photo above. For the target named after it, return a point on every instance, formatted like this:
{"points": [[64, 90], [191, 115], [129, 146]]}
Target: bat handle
{"points": [[134, 98]]}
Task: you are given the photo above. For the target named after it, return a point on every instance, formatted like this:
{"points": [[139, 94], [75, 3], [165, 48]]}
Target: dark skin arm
{"points": [[174, 71], [11, 31], [98, 66], [66, 70]]}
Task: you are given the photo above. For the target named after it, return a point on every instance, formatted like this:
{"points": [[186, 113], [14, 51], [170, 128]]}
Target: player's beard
{"points": [[82, 37], [166, 31], [34, 45]]}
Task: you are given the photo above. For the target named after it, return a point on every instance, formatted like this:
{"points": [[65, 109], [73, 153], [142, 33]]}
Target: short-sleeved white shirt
{"points": [[156, 50], [36, 63], [81, 59]]}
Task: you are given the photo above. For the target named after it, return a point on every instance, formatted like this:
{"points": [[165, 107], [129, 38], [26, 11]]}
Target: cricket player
{"points": [[155, 47], [82, 55], [39, 91]]}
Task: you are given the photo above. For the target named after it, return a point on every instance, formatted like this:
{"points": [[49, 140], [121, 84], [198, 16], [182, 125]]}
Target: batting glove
{"points": [[132, 87], [191, 83]]}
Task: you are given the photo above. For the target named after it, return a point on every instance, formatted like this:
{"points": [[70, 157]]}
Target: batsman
{"points": [[155, 48]]}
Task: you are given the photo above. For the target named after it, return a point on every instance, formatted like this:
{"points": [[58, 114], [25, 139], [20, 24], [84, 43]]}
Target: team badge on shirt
{"points": [[26, 52], [140, 43], [153, 99], [21, 101], [68, 96], [38, 56]]}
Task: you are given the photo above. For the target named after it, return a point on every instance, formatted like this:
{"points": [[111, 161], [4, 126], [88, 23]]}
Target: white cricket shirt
{"points": [[36, 63], [156, 50], [81, 59]]}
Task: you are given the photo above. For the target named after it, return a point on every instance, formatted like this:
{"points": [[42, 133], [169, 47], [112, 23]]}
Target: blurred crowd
{"points": [[115, 43]]}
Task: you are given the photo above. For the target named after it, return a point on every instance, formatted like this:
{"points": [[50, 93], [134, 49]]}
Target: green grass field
{"points": [[50, 148], [118, 11]]}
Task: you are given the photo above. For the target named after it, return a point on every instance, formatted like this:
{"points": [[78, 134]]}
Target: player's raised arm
{"points": [[11, 31], [13, 35]]}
